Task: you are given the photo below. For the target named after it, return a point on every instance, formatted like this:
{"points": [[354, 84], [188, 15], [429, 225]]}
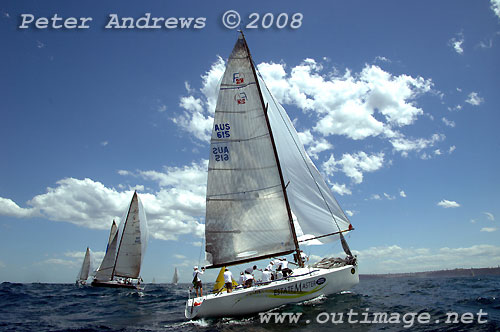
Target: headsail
{"points": [[317, 211], [246, 214], [105, 271], [86, 266], [133, 234], [112, 234]]}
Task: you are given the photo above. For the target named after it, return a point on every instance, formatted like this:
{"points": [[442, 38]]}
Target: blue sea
{"points": [[441, 304]]}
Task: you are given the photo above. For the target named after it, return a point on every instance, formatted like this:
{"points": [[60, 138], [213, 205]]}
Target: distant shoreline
{"points": [[472, 272]]}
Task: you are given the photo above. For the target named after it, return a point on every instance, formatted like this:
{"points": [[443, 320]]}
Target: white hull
{"points": [[304, 284]]}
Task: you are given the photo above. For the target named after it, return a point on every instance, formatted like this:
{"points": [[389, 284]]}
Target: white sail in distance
{"points": [[175, 278], [86, 266], [246, 213], [132, 236]]}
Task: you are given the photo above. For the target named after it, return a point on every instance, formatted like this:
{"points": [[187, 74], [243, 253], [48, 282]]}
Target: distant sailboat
{"points": [[125, 251], [259, 178], [175, 278], [86, 268]]}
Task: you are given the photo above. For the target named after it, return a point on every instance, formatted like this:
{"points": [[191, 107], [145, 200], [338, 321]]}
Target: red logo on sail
{"points": [[241, 98], [238, 78]]}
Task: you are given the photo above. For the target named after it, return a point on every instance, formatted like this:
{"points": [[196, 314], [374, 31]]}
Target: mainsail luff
{"points": [[265, 107], [247, 218], [105, 271]]}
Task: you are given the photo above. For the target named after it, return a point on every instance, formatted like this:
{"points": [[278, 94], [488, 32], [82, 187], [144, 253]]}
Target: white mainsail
{"points": [[86, 266], [175, 278], [133, 234], [127, 245], [246, 213]]}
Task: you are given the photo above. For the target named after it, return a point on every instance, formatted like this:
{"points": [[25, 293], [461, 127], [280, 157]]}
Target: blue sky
{"points": [[397, 104]]}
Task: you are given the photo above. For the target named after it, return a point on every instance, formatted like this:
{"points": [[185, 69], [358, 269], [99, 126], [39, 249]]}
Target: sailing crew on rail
{"points": [[197, 281], [266, 275], [228, 280], [248, 279]]}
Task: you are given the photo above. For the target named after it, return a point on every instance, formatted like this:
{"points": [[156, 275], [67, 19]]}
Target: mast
{"points": [[264, 108], [123, 232]]}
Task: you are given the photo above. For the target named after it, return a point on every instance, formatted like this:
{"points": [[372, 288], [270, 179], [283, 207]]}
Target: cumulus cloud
{"points": [[474, 99], [175, 209], [495, 6], [448, 122], [402, 194], [405, 145], [197, 117], [394, 258], [456, 43], [9, 208], [341, 189], [448, 204], [354, 165]]}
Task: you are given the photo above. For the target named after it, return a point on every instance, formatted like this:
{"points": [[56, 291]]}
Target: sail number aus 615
{"points": [[222, 130], [221, 153]]}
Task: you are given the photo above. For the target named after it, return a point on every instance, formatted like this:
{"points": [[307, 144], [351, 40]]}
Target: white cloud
{"points": [[402, 193], [448, 204], [354, 165], [474, 99], [404, 145], [488, 229], [58, 261], [9, 208], [349, 213], [179, 256], [197, 118], [314, 146], [452, 148], [375, 197], [448, 122], [341, 189], [371, 103], [389, 197], [456, 43], [393, 259], [175, 209], [490, 216], [104, 143], [495, 6]]}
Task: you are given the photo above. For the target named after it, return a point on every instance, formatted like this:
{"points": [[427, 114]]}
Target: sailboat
{"points": [[175, 278], [121, 265], [264, 199], [86, 268]]}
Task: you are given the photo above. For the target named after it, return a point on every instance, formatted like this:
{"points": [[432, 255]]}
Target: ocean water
{"points": [[160, 307]]}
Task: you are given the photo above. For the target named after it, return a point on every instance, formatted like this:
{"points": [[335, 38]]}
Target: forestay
{"points": [[246, 214]]}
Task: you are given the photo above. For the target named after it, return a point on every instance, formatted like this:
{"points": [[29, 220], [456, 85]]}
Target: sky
{"points": [[396, 103]]}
